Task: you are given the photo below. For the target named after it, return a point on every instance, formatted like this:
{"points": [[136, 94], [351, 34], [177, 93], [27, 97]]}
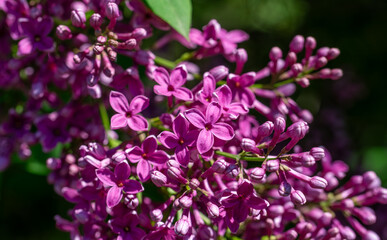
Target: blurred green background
{"points": [[350, 114]]}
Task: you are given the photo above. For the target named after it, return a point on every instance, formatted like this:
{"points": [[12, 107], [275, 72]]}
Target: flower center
{"points": [[208, 126], [208, 99], [120, 184], [237, 84], [170, 88], [126, 229], [143, 155], [181, 141], [128, 114], [37, 38]]}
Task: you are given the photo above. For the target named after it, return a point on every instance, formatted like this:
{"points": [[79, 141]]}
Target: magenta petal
{"points": [[118, 102], [162, 90], [190, 137], [118, 121], [222, 131], [138, 123], [245, 188], [247, 97], [247, 79], [196, 36], [149, 145], [256, 202], [229, 200], [143, 169], [45, 26], [161, 76], [180, 125], [106, 176], [232, 224], [168, 139], [114, 196], [183, 94], [135, 154], [132, 186], [241, 212], [138, 104], [25, 46], [158, 157], [213, 112], [228, 47], [45, 43], [178, 76], [224, 95], [237, 36], [182, 155], [195, 117], [237, 108], [205, 141], [122, 171], [208, 84]]}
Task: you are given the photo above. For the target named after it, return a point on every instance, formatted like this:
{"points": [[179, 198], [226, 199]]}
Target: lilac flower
{"points": [[35, 33], [118, 181], [180, 140], [126, 227], [233, 110], [172, 84], [209, 126], [127, 113], [239, 86], [147, 153], [207, 93], [238, 205]]}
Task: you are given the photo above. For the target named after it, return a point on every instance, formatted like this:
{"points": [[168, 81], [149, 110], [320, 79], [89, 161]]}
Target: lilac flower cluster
{"points": [[205, 168]]}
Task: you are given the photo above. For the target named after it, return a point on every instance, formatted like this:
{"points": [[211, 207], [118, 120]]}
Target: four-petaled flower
{"points": [[180, 140], [118, 181], [239, 86], [237, 205], [147, 153], [207, 94], [171, 85], [127, 113], [229, 109], [209, 126]]}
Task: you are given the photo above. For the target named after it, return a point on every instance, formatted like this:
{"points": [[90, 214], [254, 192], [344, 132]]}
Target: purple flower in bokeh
{"points": [[127, 113], [52, 129], [126, 227], [35, 33], [145, 155], [209, 126], [238, 205], [180, 140], [118, 181], [172, 84]]}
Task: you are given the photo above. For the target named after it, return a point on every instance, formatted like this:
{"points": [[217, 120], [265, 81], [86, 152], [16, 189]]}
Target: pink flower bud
{"points": [[333, 53], [194, 183], [53, 163], [257, 174], [318, 182], [182, 227], [303, 82], [272, 165], [323, 52], [220, 166], [297, 44], [324, 73], [219, 72], [284, 189], [212, 210], [336, 73], [275, 54], [232, 171], [297, 197], [291, 59], [131, 201], [298, 130], [156, 215], [63, 32], [321, 62], [95, 21], [296, 69], [185, 202], [139, 33], [112, 11], [317, 152], [310, 43], [158, 178], [78, 18]]}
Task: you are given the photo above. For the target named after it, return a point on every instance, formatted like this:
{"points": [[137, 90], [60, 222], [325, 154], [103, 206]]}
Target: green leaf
{"points": [[176, 13]]}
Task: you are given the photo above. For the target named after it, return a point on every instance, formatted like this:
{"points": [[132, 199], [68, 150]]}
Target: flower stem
{"points": [[236, 157]]}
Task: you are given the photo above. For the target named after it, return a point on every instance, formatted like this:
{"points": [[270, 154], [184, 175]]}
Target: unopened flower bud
{"points": [[194, 183], [232, 171], [317, 152], [320, 62], [275, 211], [156, 215], [291, 59], [275, 54], [119, 156], [297, 44], [248, 145], [63, 32], [131, 201], [220, 166], [310, 43], [53, 163], [158, 178], [139, 33], [323, 52], [365, 214], [265, 129], [284, 189], [185, 202], [81, 215], [296, 69], [303, 82], [371, 180], [175, 173], [336, 74], [212, 210], [272, 165], [298, 130], [78, 18], [297, 197], [112, 11], [318, 182], [333, 53], [257, 174], [182, 227], [324, 73], [96, 21], [219, 72]]}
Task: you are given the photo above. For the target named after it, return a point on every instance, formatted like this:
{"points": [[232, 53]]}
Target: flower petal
{"points": [[106, 176], [118, 121], [183, 94], [161, 76], [180, 125], [178, 76], [122, 171], [196, 36], [182, 155], [114, 196], [195, 117], [190, 137], [213, 112], [222, 131], [168, 139], [224, 95], [143, 169], [45, 44], [208, 84], [158, 157], [135, 154], [245, 189], [246, 96], [162, 90], [241, 211], [229, 199], [25, 46], [237, 36], [138, 123], [256, 202], [118, 102], [149, 145], [138, 104], [205, 141], [132, 186]]}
